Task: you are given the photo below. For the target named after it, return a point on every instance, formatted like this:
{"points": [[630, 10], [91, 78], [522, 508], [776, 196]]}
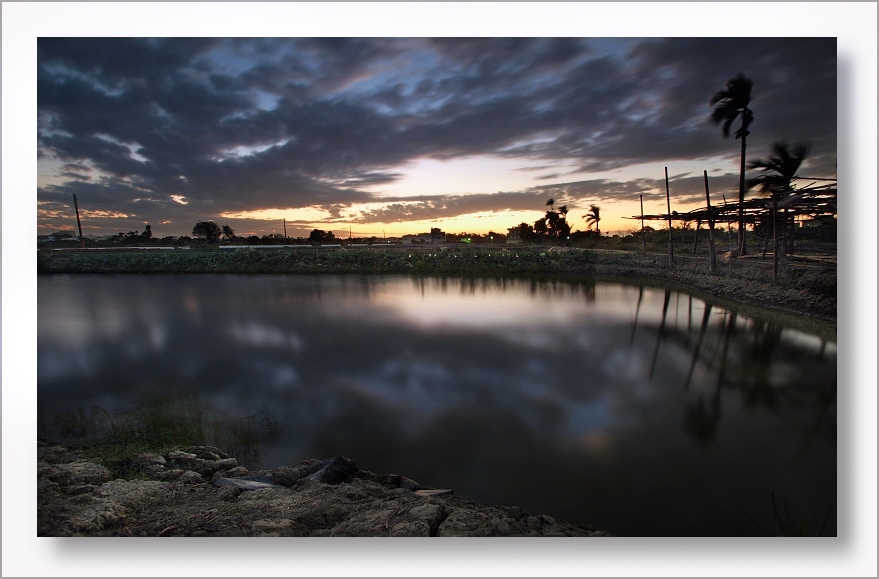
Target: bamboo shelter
{"points": [[814, 201]]}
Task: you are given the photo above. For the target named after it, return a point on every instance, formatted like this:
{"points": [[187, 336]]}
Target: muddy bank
{"points": [[807, 290], [201, 491]]}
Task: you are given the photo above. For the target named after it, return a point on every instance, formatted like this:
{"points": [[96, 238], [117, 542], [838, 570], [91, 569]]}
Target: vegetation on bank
{"points": [[396, 260], [157, 424]]}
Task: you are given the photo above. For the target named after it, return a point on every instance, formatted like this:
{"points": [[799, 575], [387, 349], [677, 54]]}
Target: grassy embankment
{"points": [[158, 424]]}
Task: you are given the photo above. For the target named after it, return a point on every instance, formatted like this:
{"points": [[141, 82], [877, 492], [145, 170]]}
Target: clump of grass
{"points": [[788, 526], [158, 424]]}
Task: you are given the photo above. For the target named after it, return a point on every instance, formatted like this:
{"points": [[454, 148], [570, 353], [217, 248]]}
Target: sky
{"points": [[395, 135]]}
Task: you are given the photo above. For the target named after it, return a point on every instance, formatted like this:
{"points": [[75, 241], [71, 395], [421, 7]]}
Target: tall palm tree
{"points": [[730, 104], [593, 217], [551, 202]]}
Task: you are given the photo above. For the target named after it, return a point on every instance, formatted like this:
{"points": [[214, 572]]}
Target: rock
{"points": [[533, 523], [180, 456], [207, 452], [225, 464], [547, 519], [401, 482], [503, 528], [286, 475], [248, 484], [171, 474], [238, 471], [414, 529], [79, 489], [149, 464], [332, 471], [431, 514], [191, 477], [464, 523], [228, 493], [74, 473], [428, 493]]}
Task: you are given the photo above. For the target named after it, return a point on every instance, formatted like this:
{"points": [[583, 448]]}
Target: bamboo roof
{"points": [[812, 200]]}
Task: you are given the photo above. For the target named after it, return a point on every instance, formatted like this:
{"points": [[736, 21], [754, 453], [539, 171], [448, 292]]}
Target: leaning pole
{"points": [[671, 248], [712, 257]]}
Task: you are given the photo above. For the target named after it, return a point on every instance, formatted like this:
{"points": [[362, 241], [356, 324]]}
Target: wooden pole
{"points": [[696, 237], [643, 239], [285, 228], [774, 239], [671, 249], [78, 224], [729, 241], [712, 256]]}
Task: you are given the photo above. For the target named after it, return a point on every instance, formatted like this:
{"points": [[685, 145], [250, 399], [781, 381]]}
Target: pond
{"points": [[638, 410]]}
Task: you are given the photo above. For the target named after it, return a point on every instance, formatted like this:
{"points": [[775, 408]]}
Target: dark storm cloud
{"points": [[245, 124]]}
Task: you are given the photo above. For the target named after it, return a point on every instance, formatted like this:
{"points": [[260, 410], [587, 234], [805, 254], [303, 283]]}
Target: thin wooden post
{"points": [[696, 237], [712, 256], [671, 249], [78, 224], [285, 228], [643, 239], [774, 239], [729, 241]]}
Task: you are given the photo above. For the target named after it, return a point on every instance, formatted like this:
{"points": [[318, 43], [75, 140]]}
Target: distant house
{"points": [[435, 236], [57, 236], [514, 236]]}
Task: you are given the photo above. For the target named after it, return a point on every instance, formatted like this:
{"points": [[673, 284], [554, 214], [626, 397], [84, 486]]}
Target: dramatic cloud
{"points": [[181, 130]]}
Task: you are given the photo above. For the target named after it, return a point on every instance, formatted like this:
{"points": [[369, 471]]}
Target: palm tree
{"points": [[551, 202], [593, 217], [778, 171], [729, 104]]}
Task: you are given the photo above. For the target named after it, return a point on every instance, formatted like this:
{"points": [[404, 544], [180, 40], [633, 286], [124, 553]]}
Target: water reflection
{"points": [[630, 408]]}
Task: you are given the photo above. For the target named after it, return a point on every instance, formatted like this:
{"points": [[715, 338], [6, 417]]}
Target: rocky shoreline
{"points": [[201, 492]]}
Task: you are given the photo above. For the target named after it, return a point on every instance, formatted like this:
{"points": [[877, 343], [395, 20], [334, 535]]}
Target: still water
{"points": [[637, 410]]}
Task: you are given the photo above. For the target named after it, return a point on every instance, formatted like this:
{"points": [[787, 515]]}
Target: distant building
{"points": [[513, 236], [57, 236], [435, 236]]}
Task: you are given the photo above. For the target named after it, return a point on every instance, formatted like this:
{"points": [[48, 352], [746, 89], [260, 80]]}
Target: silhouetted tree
{"points": [[556, 226], [147, 232], [731, 103], [540, 228], [320, 235], [207, 230], [526, 232], [593, 217], [550, 203], [228, 232]]}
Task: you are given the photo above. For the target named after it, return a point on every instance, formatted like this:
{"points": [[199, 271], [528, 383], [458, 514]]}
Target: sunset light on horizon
{"points": [[392, 136]]}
